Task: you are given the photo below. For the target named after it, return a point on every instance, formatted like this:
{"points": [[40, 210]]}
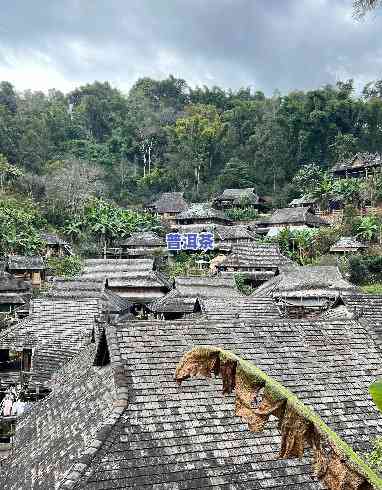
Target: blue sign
{"points": [[190, 241]]}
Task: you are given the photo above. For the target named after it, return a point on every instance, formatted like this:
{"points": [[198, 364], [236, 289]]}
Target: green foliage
{"points": [[368, 228], [185, 264], [244, 214], [372, 288], [65, 266], [364, 269], [242, 284], [20, 223]]}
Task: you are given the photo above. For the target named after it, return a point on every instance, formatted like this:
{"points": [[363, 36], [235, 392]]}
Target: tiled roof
{"points": [[246, 308], [188, 437], [347, 243], [255, 255], [52, 239], [307, 282], [143, 240], [202, 210], [62, 426], [206, 286], [56, 330], [170, 202], [295, 216], [359, 160], [303, 201], [18, 262], [236, 195]]}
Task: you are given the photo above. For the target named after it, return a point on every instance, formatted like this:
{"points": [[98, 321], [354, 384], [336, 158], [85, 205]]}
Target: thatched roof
{"points": [[359, 161], [203, 210], [295, 216], [347, 244], [170, 202], [255, 256], [143, 239], [25, 263], [134, 427]]}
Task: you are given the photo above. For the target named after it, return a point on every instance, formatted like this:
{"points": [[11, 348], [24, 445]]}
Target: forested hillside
{"points": [[59, 151]]}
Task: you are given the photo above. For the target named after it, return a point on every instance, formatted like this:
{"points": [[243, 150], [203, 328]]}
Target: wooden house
{"points": [[55, 246], [232, 198], [359, 165], [169, 205], [302, 292], [347, 244], [188, 295], [14, 292], [142, 244], [200, 217], [305, 201], [256, 261], [28, 268], [133, 279], [292, 218]]}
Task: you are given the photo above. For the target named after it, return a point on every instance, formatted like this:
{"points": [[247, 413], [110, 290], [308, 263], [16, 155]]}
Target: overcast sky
{"points": [[264, 44]]}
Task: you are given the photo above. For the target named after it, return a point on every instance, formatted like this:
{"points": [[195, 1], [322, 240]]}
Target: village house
{"points": [[291, 218], [116, 414], [347, 244], [257, 262], [308, 291], [55, 246], [28, 268], [199, 217], [133, 279], [189, 294], [360, 165], [14, 292], [231, 198], [169, 206], [142, 244], [305, 201]]}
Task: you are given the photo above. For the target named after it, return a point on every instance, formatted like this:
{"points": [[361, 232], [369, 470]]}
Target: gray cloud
{"points": [[265, 44]]}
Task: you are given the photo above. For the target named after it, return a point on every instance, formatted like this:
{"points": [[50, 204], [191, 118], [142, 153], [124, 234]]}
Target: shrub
{"points": [[66, 266]]}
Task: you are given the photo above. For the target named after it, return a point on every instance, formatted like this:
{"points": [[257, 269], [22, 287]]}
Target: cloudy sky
{"points": [[264, 44]]}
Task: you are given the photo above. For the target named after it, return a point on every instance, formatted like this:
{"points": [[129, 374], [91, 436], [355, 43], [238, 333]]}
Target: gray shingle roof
{"points": [[20, 263], [12, 284], [359, 160], [255, 255], [60, 428], [203, 210], [170, 202], [52, 239], [236, 195], [143, 240], [369, 309], [303, 201], [347, 243], [246, 308], [56, 330], [188, 437], [173, 302], [206, 286], [307, 282], [295, 216]]}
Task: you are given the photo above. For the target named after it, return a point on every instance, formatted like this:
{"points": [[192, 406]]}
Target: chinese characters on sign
{"points": [[190, 241]]}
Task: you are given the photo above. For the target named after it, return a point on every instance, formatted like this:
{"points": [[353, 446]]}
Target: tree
{"points": [[361, 7], [7, 171], [368, 228]]}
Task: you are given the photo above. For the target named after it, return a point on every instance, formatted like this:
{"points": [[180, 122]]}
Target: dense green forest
{"points": [[60, 152]]}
